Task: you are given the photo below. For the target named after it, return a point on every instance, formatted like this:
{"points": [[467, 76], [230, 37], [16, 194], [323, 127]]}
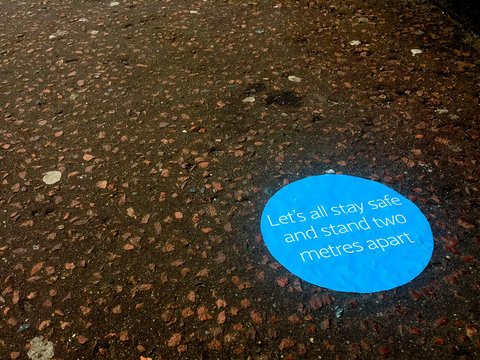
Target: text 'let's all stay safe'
{"points": [[329, 228]]}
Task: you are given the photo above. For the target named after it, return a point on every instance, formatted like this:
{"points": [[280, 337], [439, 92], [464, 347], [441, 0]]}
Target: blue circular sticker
{"points": [[347, 233]]}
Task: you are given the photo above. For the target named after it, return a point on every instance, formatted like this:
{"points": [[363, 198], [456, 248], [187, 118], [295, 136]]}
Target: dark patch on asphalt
{"points": [[283, 98]]}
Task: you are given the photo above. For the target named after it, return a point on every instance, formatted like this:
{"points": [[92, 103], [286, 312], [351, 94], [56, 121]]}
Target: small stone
{"points": [[175, 339], [385, 351], [330, 171], [101, 184], [338, 312], [355, 42], [114, 3], [52, 177], [23, 327], [416, 51], [58, 33], [94, 32], [193, 12], [465, 224], [40, 349], [286, 344], [81, 339], [259, 31], [294, 78], [249, 99]]}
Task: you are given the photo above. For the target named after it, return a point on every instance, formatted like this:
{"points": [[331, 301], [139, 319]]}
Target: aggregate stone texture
{"points": [[147, 245]]}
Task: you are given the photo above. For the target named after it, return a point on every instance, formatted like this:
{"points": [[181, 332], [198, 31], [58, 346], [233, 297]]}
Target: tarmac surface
{"points": [[141, 140]]}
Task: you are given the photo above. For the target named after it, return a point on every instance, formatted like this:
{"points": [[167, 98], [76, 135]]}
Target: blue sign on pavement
{"points": [[347, 233]]}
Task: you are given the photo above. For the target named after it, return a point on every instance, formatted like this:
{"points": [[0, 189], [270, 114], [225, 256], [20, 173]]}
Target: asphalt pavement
{"points": [[141, 140]]}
